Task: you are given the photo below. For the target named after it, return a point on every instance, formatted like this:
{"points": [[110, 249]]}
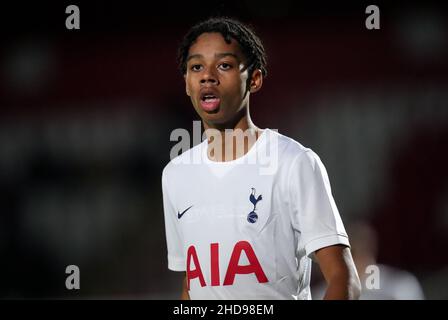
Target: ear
{"points": [[187, 90], [256, 81]]}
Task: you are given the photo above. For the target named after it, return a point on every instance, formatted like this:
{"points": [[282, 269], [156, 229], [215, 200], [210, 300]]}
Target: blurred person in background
{"points": [[393, 283]]}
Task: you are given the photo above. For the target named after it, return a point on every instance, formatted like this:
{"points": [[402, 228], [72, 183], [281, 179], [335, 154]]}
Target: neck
{"points": [[230, 141]]}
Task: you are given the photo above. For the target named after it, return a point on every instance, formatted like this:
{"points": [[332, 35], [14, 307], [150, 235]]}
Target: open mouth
{"points": [[209, 101]]}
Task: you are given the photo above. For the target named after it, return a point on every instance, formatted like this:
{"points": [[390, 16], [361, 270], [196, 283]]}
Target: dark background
{"points": [[86, 117]]}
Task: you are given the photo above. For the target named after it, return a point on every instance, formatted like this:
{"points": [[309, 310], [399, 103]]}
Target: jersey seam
{"points": [[326, 236]]}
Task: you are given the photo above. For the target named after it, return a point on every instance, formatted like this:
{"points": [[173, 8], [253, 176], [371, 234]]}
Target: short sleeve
{"points": [[176, 256], [314, 213]]}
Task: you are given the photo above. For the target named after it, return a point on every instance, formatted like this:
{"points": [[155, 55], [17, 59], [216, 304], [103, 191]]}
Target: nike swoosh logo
{"points": [[179, 215]]}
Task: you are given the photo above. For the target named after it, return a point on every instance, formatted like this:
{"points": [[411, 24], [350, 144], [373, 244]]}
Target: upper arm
{"points": [[337, 266], [334, 261], [314, 212], [185, 295]]}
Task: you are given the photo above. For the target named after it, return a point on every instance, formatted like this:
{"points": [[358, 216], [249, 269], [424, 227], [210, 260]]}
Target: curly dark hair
{"points": [[229, 28]]}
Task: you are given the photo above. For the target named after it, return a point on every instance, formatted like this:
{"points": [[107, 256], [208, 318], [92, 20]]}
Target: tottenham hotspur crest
{"points": [[252, 217]]}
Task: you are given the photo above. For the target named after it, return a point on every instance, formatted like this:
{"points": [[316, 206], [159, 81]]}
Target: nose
{"points": [[209, 77]]}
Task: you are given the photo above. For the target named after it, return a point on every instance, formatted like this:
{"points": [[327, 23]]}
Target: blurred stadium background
{"points": [[86, 116]]}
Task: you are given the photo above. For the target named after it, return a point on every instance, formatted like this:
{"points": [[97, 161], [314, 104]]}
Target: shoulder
{"points": [[401, 284], [181, 162], [396, 274], [292, 151]]}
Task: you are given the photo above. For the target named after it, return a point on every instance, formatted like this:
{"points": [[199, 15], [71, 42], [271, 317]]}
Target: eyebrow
{"points": [[217, 55]]}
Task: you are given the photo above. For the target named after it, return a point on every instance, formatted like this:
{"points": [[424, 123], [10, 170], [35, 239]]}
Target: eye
{"points": [[224, 66], [196, 67]]}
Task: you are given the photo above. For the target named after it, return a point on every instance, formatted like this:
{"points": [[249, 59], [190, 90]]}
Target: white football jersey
{"points": [[247, 228]]}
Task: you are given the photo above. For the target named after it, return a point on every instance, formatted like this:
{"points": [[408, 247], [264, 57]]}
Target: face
{"points": [[216, 79]]}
